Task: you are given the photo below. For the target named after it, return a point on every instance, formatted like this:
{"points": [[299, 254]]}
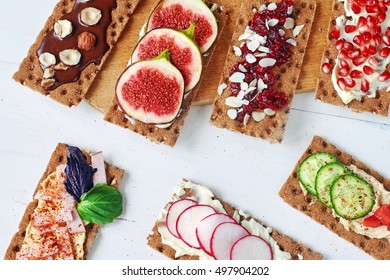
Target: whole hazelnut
{"points": [[86, 41]]}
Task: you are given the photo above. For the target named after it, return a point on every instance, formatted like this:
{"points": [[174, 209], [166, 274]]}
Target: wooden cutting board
{"points": [[102, 91]]}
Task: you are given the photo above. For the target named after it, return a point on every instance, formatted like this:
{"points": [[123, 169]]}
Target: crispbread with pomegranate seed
{"points": [[59, 156], [286, 243], [292, 194], [170, 134], [271, 128], [30, 72], [325, 89]]}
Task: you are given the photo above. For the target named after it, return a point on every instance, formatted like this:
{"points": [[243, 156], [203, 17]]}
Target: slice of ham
{"points": [[98, 163]]}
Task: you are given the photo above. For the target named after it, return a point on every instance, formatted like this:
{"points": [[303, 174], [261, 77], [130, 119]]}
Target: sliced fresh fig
{"points": [[174, 212], [151, 91], [180, 14], [185, 54], [251, 247]]}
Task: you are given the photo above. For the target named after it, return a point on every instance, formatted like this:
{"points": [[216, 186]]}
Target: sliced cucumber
{"points": [[324, 179], [351, 197], [308, 169]]}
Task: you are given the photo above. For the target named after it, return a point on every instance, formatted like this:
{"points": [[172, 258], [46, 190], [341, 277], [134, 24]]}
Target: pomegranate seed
{"points": [[377, 39], [343, 54], [350, 82], [372, 2], [377, 29], [359, 60], [373, 62], [358, 40], [335, 33], [372, 9], [364, 28], [344, 64], [362, 3], [381, 17], [386, 2], [326, 68], [362, 21], [367, 37], [365, 51], [341, 83], [343, 72], [388, 31], [384, 52], [365, 85], [368, 70], [348, 46], [384, 76], [350, 28], [353, 54], [356, 8], [371, 49], [371, 21], [356, 74], [382, 7], [386, 39], [340, 44]]}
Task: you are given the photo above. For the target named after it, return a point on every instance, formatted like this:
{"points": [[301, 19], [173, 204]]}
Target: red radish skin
{"points": [[180, 14], [174, 212], [206, 227], [223, 238], [188, 221], [185, 54], [251, 247]]}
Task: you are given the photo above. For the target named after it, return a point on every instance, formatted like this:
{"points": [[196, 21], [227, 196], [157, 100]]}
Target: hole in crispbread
{"points": [[321, 84], [308, 200], [113, 34], [121, 19], [129, 5], [294, 80], [299, 249], [309, 151], [381, 245], [32, 58], [275, 124], [30, 77], [312, 7], [307, 21], [213, 117], [152, 129], [301, 50], [333, 22], [88, 77], [324, 144], [295, 175], [16, 248], [282, 70], [240, 21], [332, 226], [304, 36], [277, 76], [298, 65], [60, 158], [63, 92], [177, 130], [279, 85], [113, 26], [324, 209], [362, 244], [268, 131], [327, 53], [219, 111], [334, 94], [303, 5], [63, 11], [80, 82]]}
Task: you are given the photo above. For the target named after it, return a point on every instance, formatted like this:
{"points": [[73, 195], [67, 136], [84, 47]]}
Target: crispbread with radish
{"points": [[293, 194], [113, 175], [240, 105], [162, 240], [326, 91]]}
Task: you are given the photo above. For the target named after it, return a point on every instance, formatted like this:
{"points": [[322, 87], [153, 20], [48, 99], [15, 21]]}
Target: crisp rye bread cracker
{"points": [[30, 73], [286, 243], [170, 134], [292, 194], [325, 89], [114, 178], [271, 128]]}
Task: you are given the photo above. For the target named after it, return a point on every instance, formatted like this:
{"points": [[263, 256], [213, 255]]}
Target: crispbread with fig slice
{"points": [[286, 243], [170, 134], [30, 73], [59, 156], [271, 128], [292, 194], [325, 89]]}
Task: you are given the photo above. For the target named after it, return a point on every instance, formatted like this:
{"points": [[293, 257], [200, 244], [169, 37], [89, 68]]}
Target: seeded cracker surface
{"points": [[30, 73], [114, 178], [285, 242], [325, 90], [271, 128], [292, 194], [168, 135]]}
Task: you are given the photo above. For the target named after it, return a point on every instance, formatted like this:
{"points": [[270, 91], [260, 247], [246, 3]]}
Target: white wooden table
{"points": [[245, 171]]}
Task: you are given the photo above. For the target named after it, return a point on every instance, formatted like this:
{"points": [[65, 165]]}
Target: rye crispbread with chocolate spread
{"points": [[170, 134], [272, 127], [59, 156], [325, 89], [292, 194], [30, 72], [286, 243]]}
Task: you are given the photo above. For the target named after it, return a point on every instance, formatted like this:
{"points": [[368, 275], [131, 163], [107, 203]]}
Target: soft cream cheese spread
{"points": [[203, 195], [350, 94]]}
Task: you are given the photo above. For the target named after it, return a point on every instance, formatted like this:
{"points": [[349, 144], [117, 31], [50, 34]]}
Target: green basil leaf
{"points": [[101, 205]]}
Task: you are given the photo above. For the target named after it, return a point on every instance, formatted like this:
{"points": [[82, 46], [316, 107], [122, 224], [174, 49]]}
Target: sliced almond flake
{"points": [[250, 58], [241, 94], [246, 119], [242, 44], [244, 86], [237, 77], [267, 62], [260, 54], [221, 88], [290, 10], [269, 112], [242, 68], [257, 37], [282, 32], [273, 22], [244, 36], [48, 73], [272, 7], [261, 85], [248, 30], [245, 102], [264, 49], [237, 51], [263, 7], [249, 89], [291, 41], [253, 83], [232, 113], [214, 7], [297, 30], [258, 116], [240, 110], [289, 23], [253, 45], [233, 101]]}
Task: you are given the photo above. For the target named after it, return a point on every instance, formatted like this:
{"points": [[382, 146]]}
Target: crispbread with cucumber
{"points": [[342, 194], [71, 202]]}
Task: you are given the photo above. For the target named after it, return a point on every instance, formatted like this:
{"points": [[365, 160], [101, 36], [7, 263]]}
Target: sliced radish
{"points": [[188, 221], [223, 238], [98, 163], [251, 247], [173, 213], [206, 227]]}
